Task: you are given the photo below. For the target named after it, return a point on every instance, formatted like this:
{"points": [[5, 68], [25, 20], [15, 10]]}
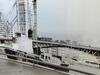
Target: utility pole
{"points": [[35, 20]]}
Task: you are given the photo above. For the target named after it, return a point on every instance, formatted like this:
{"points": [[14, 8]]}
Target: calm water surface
{"points": [[10, 68]]}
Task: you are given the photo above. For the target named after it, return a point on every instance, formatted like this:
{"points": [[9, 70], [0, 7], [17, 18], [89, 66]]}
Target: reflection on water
{"points": [[10, 68]]}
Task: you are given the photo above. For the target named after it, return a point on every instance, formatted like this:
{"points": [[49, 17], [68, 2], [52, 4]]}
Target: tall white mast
{"points": [[35, 20]]}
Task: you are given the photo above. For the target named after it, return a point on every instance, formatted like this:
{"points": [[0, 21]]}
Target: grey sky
{"points": [[77, 19]]}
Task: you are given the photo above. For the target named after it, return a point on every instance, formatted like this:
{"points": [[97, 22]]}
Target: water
{"points": [[13, 68]]}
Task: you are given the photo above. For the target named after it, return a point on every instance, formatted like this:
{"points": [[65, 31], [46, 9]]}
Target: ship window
{"points": [[2, 41], [18, 34], [42, 56], [30, 33], [49, 58], [46, 57]]}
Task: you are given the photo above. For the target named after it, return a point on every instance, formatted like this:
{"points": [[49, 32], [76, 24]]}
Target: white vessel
{"points": [[19, 45]]}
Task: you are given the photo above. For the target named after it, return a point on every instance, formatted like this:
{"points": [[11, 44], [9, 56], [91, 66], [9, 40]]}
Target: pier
{"points": [[91, 50]]}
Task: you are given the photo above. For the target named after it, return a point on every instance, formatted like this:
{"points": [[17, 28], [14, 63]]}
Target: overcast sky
{"points": [[70, 19]]}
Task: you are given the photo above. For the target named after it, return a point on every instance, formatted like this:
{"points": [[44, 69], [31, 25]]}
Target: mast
{"points": [[0, 16], [35, 20]]}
